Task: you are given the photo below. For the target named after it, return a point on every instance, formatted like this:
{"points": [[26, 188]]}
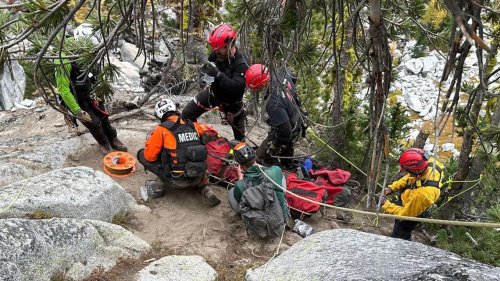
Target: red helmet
{"points": [[223, 34], [413, 159], [257, 76]]}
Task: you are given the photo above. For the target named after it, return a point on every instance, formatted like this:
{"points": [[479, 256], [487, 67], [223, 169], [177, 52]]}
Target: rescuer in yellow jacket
{"points": [[419, 188]]}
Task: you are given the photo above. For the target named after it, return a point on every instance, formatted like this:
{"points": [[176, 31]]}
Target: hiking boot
{"points": [[210, 196], [153, 189], [118, 145], [105, 149]]}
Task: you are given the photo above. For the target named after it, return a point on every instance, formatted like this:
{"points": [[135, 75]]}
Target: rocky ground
{"points": [[180, 223]]}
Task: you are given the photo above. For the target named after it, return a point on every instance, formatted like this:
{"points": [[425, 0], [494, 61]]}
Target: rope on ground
{"points": [[277, 249], [435, 221], [336, 152], [15, 198]]}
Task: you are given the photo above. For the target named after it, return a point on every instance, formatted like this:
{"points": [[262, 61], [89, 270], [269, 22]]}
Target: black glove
{"points": [[380, 198], [211, 69], [201, 80], [272, 148]]}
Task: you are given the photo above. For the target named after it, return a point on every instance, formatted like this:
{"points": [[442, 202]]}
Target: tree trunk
{"points": [[338, 130], [478, 163], [421, 139], [380, 75]]}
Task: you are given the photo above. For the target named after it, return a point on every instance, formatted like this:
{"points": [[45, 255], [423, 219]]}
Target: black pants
{"points": [[235, 115], [174, 182], [100, 127], [402, 229], [266, 159]]}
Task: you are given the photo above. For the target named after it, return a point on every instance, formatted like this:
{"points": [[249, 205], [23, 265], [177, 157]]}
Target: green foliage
{"points": [[491, 134], [39, 215], [488, 240], [494, 213], [36, 10], [397, 122], [420, 49], [467, 87], [122, 220]]}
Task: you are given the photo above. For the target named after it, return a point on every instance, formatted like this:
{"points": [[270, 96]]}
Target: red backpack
{"points": [[220, 162], [333, 182], [326, 186], [305, 189]]}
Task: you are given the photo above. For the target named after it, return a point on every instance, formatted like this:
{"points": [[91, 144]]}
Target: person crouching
{"points": [[174, 152], [259, 198]]}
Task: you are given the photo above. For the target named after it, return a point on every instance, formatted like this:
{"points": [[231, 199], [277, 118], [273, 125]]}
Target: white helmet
{"points": [[164, 106], [86, 30]]}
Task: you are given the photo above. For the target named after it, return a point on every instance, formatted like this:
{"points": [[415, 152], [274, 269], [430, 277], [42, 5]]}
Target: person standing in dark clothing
{"points": [[227, 65], [283, 115]]}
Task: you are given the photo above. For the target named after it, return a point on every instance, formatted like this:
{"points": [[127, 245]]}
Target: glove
{"points": [[201, 80], [381, 199], [272, 148], [303, 130], [211, 69], [387, 191], [83, 116]]}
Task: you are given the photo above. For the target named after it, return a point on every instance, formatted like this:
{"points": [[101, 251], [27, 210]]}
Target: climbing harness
{"points": [[119, 164]]}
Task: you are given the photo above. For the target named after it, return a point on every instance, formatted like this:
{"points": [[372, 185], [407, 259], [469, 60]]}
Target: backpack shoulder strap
{"points": [[170, 125]]}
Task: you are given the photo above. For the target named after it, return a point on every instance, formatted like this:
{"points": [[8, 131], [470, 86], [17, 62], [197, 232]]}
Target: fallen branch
{"points": [[125, 114]]}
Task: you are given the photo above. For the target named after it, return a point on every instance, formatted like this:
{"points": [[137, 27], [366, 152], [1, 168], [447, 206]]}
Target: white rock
{"points": [[129, 53], [38, 249], [357, 255], [431, 115], [413, 134], [12, 85], [426, 110], [28, 103], [173, 268], [429, 64], [447, 146], [429, 147], [414, 66], [413, 101]]}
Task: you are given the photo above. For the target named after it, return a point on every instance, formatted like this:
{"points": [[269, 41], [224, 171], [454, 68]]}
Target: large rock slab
{"points": [[52, 155], [76, 192], [11, 172], [345, 254], [38, 153], [176, 268], [39, 249], [12, 85]]}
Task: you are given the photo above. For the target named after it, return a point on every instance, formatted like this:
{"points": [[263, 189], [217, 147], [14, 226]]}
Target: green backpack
{"points": [[260, 209]]}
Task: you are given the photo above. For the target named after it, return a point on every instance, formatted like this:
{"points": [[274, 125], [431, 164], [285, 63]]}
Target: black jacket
{"points": [[229, 86], [283, 111]]}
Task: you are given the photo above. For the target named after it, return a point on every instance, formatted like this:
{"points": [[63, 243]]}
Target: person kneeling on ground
{"points": [[175, 154], [262, 180], [283, 111], [419, 188]]}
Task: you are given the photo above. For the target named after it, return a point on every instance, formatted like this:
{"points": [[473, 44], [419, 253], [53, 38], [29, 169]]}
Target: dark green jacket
{"points": [[253, 175]]}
